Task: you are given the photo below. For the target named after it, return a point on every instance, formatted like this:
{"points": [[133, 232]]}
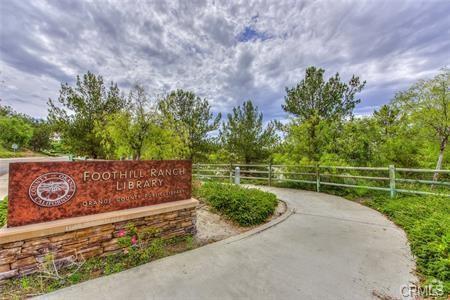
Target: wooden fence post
{"points": [[392, 180], [317, 178], [237, 176], [270, 174]]}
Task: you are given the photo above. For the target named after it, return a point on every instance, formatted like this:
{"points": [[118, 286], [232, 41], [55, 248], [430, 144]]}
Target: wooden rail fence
{"points": [[389, 179]]}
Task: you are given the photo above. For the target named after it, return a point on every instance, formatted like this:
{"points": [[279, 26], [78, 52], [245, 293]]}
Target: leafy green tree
{"points": [[18, 131], [41, 138], [127, 131], [193, 119], [161, 140], [165, 142], [140, 132], [83, 108], [355, 143], [427, 103], [314, 102], [117, 135], [396, 140], [15, 130], [244, 134]]}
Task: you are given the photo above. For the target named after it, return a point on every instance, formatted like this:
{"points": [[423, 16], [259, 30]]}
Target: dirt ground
{"points": [[212, 227]]}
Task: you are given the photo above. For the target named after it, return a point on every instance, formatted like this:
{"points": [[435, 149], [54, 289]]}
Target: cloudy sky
{"points": [[225, 51]]}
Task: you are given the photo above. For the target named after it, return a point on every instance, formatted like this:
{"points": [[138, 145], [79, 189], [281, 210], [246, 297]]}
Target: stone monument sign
{"points": [[45, 191]]}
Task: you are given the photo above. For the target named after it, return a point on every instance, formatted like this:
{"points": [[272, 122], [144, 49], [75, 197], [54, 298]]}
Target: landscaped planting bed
{"points": [[138, 250], [245, 206]]}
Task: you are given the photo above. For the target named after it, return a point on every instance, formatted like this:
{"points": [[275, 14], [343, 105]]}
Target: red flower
{"points": [[134, 240], [121, 233]]}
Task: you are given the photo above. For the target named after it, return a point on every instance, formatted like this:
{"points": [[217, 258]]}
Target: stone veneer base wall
{"points": [[23, 248]]}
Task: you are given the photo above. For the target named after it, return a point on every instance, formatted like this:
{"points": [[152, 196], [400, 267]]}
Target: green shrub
{"points": [[426, 221], [245, 206], [3, 211]]}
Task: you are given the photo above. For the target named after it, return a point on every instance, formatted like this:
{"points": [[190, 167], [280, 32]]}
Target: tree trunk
{"points": [[139, 152], [441, 157], [314, 154]]}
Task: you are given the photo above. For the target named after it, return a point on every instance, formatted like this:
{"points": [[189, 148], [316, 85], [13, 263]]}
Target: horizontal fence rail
{"points": [[387, 179]]}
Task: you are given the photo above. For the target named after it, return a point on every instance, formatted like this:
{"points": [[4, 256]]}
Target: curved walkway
{"points": [[330, 248]]}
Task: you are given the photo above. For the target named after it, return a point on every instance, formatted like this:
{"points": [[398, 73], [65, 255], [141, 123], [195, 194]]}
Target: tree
{"points": [[428, 103], [193, 118], [357, 143], [40, 140], [81, 110], [388, 118], [396, 140], [315, 102], [127, 131], [14, 130], [139, 132], [244, 135], [23, 130]]}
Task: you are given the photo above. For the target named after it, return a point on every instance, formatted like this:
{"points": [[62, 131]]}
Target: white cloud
{"points": [[227, 52]]}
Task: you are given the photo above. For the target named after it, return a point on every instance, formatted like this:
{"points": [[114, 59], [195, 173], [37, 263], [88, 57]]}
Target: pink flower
{"points": [[134, 240], [121, 233]]}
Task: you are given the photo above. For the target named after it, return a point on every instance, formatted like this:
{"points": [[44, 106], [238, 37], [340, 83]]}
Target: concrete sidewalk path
{"points": [[3, 186], [331, 248]]}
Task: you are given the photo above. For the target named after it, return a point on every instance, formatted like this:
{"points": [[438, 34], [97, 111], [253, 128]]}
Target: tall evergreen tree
{"points": [[244, 134], [315, 103], [81, 109], [388, 118]]}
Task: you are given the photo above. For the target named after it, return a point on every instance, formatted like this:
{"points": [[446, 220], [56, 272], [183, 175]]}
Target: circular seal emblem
{"points": [[52, 189]]}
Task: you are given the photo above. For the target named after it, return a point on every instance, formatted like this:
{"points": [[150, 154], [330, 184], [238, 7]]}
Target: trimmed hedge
{"points": [[246, 206]]}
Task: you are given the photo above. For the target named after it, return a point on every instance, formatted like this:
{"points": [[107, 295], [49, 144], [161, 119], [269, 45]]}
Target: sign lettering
{"points": [[44, 191]]}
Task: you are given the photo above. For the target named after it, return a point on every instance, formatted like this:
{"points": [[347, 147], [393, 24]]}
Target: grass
{"points": [[42, 282], [245, 206], [6, 153], [426, 221]]}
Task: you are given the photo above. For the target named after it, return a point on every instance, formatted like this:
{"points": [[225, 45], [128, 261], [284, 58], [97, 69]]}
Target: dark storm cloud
{"points": [[226, 52]]}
